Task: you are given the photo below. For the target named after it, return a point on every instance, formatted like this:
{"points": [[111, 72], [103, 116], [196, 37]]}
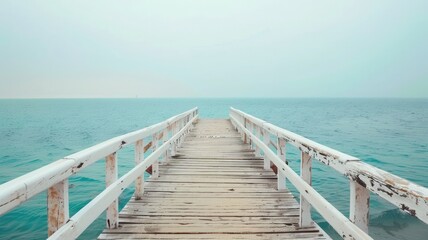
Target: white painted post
{"points": [[58, 212], [155, 165], [173, 149], [359, 205], [306, 175], [258, 137], [181, 126], [139, 157], [266, 140], [155, 169], [112, 219], [174, 143], [252, 132], [164, 139], [154, 142], [245, 135], [280, 151]]}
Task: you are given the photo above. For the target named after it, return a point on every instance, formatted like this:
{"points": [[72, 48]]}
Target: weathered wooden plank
{"points": [[186, 229], [184, 179], [208, 185], [226, 173], [213, 201], [196, 219], [221, 205], [265, 236]]}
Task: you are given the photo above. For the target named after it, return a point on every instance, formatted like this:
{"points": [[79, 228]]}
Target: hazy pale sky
{"points": [[245, 48]]}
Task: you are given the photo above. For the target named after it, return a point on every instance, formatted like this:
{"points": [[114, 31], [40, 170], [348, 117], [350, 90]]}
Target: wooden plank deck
{"points": [[214, 188]]}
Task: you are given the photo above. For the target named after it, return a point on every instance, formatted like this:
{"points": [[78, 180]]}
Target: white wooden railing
{"points": [[164, 138], [363, 177]]}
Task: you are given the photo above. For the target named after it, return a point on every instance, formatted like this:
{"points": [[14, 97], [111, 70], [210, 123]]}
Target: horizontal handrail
{"points": [[334, 217], [85, 216], [20, 189], [324, 152], [407, 196]]}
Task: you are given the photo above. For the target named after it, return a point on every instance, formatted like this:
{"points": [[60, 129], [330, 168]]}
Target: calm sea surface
{"points": [[391, 134]]}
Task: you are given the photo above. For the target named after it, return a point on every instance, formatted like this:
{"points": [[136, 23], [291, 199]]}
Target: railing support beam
{"points": [[359, 205], [112, 220], [58, 212]]}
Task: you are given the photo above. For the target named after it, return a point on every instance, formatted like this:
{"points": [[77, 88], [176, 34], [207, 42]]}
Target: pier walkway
{"points": [[213, 179], [214, 188]]}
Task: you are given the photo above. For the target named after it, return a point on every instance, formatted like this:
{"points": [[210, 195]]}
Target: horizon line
{"points": [[94, 98]]}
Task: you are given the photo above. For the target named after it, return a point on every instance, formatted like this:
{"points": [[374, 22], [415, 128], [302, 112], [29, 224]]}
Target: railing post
{"points": [[359, 205], [258, 137], [155, 165], [155, 169], [174, 143], [112, 219], [139, 157], [164, 139], [252, 132], [173, 149], [306, 175], [245, 134], [266, 140], [280, 151], [58, 212]]}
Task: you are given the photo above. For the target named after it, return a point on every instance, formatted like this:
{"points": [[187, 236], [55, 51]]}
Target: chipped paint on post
{"points": [[164, 139], [155, 169], [155, 142], [257, 135], [112, 219], [252, 132], [266, 140], [58, 211], [407, 196], [306, 175], [245, 135], [359, 205], [280, 151], [139, 157]]}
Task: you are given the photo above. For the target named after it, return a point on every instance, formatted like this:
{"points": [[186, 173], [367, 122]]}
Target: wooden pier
{"points": [[213, 179], [214, 188]]}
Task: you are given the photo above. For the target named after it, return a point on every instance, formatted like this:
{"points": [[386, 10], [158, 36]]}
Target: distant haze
{"points": [[89, 49]]}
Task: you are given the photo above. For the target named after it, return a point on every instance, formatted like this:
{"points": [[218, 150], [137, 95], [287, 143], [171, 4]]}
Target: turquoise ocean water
{"points": [[391, 134]]}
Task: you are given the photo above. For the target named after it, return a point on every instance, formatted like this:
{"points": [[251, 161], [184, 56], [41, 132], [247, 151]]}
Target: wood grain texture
{"points": [[213, 188]]}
